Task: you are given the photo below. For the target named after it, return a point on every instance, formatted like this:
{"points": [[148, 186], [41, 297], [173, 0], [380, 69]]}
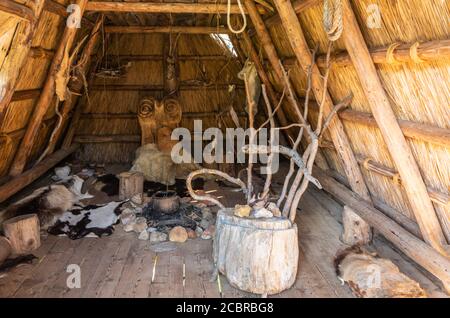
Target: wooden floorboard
{"points": [[122, 266]]}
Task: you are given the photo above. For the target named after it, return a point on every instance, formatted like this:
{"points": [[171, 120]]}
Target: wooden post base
{"points": [[130, 184], [23, 232], [356, 230]]}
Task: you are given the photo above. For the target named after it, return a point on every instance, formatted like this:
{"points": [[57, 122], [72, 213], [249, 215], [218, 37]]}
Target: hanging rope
{"points": [[332, 19], [244, 17]]}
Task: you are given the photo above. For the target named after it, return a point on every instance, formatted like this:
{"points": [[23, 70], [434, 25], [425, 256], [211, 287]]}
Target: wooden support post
{"points": [[5, 249], [416, 249], [130, 184], [23, 232], [339, 137], [18, 183], [76, 83], [395, 140], [17, 56], [45, 99]]}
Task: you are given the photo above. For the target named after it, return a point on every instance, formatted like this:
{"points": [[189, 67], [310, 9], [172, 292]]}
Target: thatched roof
{"points": [[416, 85]]}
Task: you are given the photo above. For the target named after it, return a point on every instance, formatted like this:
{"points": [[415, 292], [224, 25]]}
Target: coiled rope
{"points": [[244, 17], [332, 19]]}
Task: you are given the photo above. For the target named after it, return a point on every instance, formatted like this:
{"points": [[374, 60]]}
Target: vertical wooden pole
{"points": [[392, 134], [76, 85], [338, 135], [45, 99], [18, 55]]}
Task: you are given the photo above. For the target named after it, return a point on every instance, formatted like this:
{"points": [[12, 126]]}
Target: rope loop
{"points": [[244, 17], [390, 56], [414, 54], [333, 19], [366, 163]]}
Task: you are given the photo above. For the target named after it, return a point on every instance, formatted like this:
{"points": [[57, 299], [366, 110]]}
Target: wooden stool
{"points": [[23, 233], [130, 184]]}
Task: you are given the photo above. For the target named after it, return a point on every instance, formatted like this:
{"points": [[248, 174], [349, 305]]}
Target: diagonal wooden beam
{"points": [[392, 134], [45, 99], [339, 137], [18, 10], [17, 56], [76, 83]]}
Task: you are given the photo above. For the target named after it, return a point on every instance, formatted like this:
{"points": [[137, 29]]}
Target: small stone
{"points": [[198, 231], [157, 237], [272, 207], [137, 199], [127, 216], [191, 234], [178, 234], [209, 233], [262, 213], [152, 229], [185, 200], [242, 211], [207, 214], [143, 236], [129, 227], [140, 225], [204, 224]]}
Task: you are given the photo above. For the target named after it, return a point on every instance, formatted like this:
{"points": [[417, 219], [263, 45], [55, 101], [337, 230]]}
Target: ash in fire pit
{"points": [[187, 216]]}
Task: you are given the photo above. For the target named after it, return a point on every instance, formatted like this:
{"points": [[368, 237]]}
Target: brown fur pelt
{"points": [[49, 203], [370, 276]]}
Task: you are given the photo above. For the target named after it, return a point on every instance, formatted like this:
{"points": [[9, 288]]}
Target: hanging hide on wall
{"points": [[250, 74], [369, 276]]}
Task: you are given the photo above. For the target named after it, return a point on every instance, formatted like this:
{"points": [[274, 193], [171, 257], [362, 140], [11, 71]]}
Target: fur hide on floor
{"points": [[92, 220], [49, 203], [372, 277]]}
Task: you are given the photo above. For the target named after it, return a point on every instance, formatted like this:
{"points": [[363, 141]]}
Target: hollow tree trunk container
{"points": [[256, 255]]}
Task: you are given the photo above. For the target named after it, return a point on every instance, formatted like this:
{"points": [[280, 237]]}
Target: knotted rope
{"points": [[390, 56], [332, 19], [244, 17]]}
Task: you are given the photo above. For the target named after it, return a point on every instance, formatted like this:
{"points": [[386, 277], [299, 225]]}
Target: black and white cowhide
{"points": [[92, 220]]}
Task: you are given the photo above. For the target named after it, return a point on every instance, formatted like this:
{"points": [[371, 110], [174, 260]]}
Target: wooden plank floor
{"points": [[122, 266]]}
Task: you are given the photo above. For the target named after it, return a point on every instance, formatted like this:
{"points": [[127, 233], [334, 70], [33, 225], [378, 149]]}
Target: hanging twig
{"points": [[265, 193], [251, 105]]}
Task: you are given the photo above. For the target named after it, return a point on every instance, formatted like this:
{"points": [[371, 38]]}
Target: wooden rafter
{"points": [[45, 99], [173, 8], [18, 10], [392, 134]]}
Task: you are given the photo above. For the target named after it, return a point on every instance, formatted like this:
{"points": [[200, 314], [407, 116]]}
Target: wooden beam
{"points": [[158, 57], [18, 10], [45, 99], [25, 94], [19, 133], [135, 116], [61, 10], [422, 132], [390, 129], [170, 8], [21, 181], [76, 83], [167, 29], [17, 55], [41, 53], [371, 165], [339, 137], [416, 249], [184, 87]]}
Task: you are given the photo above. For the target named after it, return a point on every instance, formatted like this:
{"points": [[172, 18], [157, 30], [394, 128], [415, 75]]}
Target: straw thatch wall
{"points": [[418, 92], [149, 73], [32, 77]]}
